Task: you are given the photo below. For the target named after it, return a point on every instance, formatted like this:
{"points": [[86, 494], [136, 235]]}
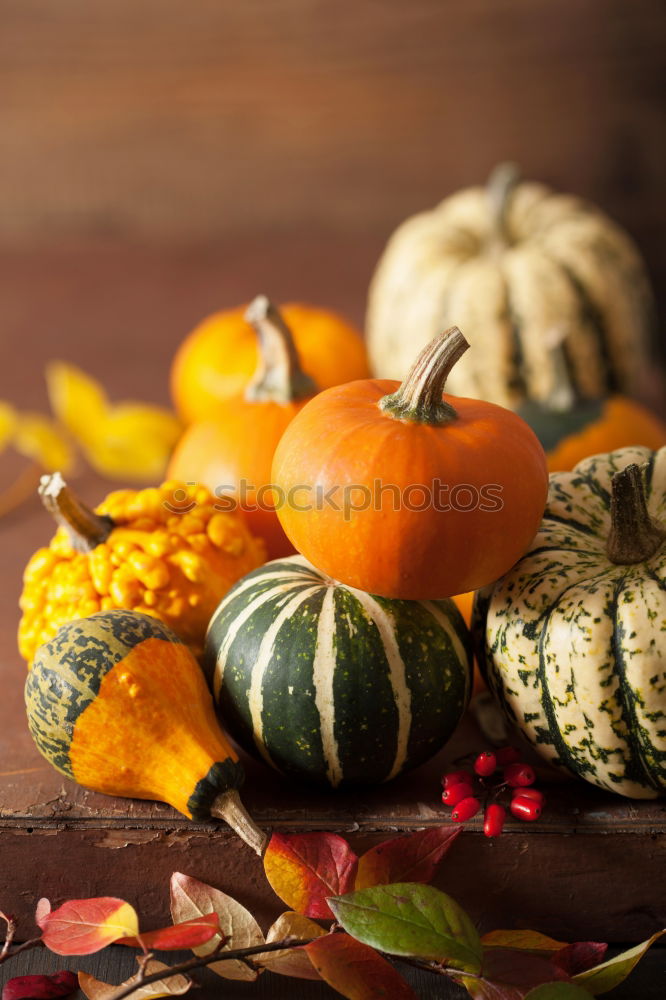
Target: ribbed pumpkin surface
{"points": [[574, 644], [330, 684]]}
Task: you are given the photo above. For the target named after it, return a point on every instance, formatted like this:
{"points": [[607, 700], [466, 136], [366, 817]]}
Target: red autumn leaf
{"points": [[356, 970], [43, 912], [303, 869], [83, 926], [59, 984], [413, 858], [580, 956], [188, 934], [508, 974]]}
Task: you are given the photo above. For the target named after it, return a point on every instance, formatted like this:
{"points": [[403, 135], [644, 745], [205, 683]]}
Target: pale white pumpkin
{"points": [[552, 295], [573, 638]]}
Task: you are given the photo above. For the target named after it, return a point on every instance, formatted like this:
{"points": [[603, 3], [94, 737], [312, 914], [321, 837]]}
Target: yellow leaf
{"points": [[7, 424], [134, 441], [77, 400], [41, 439]]}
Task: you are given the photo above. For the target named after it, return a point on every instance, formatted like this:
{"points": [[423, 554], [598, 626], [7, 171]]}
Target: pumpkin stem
{"points": [[85, 528], [419, 398], [634, 536], [499, 189], [279, 377], [229, 807]]}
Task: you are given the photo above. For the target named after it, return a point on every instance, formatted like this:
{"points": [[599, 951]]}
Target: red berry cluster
{"points": [[466, 791]]}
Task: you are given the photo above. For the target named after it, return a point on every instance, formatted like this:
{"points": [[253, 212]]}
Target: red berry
{"points": [[519, 775], [465, 809], [493, 820], [456, 777], [485, 763], [507, 755], [530, 793], [454, 794], [526, 809]]}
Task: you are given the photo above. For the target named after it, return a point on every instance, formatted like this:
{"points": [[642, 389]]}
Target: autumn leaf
{"points": [[522, 940], [59, 984], [355, 970], [83, 926], [122, 441], [191, 899], [291, 961], [7, 424], [558, 991], [513, 973], [188, 934], [304, 869], [410, 919], [580, 956], [43, 912], [39, 438], [608, 975], [413, 858], [134, 442], [77, 400], [95, 989]]}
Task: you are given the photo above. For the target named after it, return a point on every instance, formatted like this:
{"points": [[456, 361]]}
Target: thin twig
{"points": [[9, 937], [215, 956], [26, 946]]}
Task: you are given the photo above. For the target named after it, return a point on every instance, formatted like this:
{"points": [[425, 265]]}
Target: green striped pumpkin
{"points": [[329, 684], [573, 638]]}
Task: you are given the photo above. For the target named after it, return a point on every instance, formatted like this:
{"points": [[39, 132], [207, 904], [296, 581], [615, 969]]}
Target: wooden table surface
{"points": [[595, 865]]}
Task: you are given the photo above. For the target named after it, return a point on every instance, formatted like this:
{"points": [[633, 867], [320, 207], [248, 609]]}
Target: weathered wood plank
{"points": [[161, 119]]}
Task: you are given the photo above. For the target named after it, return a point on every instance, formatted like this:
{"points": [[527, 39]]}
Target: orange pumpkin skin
{"points": [[342, 438], [239, 446], [623, 423], [217, 360]]}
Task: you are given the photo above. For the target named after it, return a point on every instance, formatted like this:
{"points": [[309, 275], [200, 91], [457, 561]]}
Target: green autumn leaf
{"points": [[610, 974], [410, 919], [558, 991]]}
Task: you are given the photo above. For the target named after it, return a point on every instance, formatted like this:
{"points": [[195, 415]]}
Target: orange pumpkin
{"points": [[402, 492], [217, 360], [593, 427], [232, 453]]}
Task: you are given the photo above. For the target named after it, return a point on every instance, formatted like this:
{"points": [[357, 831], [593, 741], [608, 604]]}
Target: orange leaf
{"points": [[188, 934], [357, 971], [82, 926], [303, 869], [413, 858]]}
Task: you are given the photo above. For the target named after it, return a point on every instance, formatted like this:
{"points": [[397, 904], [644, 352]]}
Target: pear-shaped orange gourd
{"points": [[219, 358], [406, 493], [232, 453], [118, 703]]}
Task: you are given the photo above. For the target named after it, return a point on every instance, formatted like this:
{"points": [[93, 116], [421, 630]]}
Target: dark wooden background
{"points": [[158, 120]]}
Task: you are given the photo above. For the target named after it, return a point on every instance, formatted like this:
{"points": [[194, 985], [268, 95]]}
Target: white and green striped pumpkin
{"points": [[573, 638], [329, 684]]}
